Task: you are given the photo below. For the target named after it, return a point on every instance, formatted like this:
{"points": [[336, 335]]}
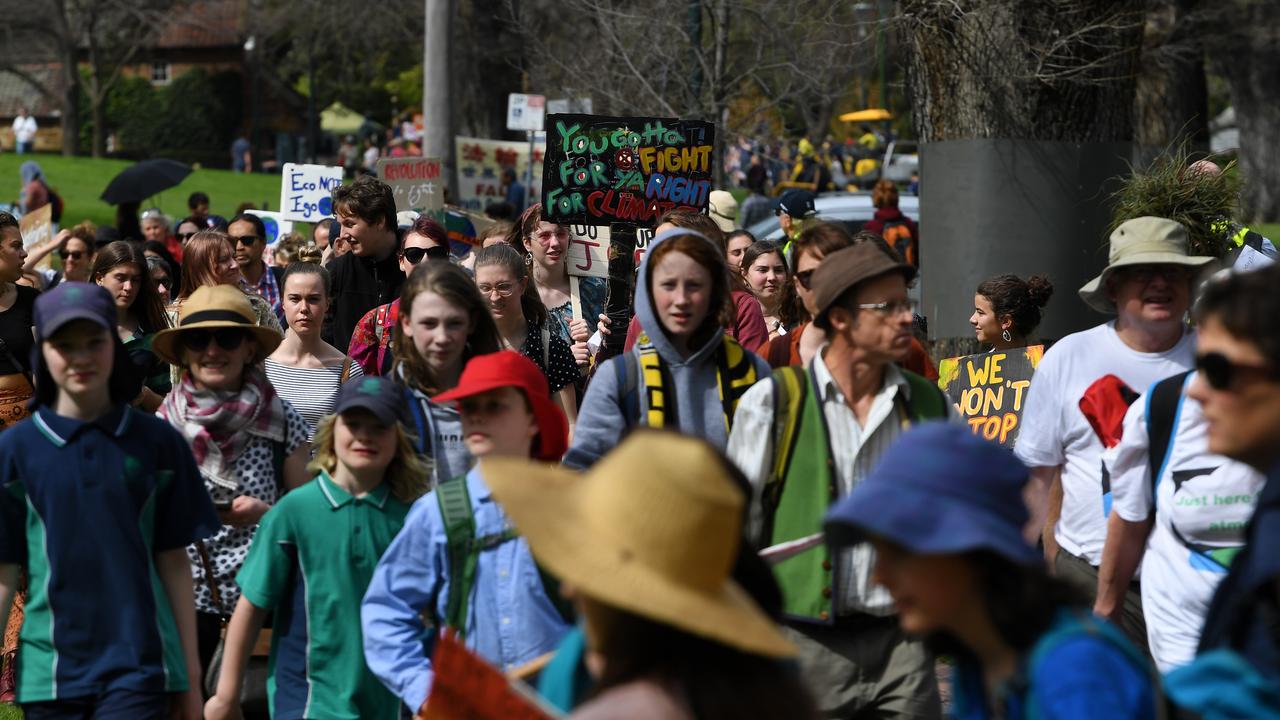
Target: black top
{"points": [[560, 367], [360, 284], [15, 332]]}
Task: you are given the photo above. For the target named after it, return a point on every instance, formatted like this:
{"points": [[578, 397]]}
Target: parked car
{"points": [[851, 210]]}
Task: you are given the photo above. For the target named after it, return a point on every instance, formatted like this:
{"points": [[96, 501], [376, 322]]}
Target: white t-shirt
{"points": [[24, 129], [1055, 431], [1202, 504]]}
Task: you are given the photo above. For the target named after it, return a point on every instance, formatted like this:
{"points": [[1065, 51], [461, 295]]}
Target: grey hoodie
{"points": [[601, 422]]}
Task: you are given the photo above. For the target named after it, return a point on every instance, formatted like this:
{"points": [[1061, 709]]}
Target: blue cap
{"points": [[378, 395], [940, 490], [797, 203], [70, 301]]}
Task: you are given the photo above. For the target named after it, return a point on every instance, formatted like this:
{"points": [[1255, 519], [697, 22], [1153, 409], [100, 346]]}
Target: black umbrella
{"points": [[144, 179]]}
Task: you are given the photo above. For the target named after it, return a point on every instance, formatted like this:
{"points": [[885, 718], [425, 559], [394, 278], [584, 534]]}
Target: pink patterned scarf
{"points": [[219, 425]]}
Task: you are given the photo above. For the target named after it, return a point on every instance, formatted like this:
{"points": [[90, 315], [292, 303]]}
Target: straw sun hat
{"points": [[211, 307], [652, 529]]}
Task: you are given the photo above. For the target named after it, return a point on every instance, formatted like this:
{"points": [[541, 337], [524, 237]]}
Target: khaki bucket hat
{"points": [[652, 529], [1141, 241], [209, 307]]}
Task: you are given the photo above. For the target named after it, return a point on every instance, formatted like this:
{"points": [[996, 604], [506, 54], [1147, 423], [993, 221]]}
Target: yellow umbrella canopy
{"points": [[868, 115], [340, 119]]}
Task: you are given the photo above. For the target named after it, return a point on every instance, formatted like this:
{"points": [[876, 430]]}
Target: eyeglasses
{"points": [[227, 338], [546, 235], [245, 240], [504, 289], [415, 254], [1146, 273], [1221, 373], [887, 309], [183, 237], [804, 277], [71, 254], [162, 282]]}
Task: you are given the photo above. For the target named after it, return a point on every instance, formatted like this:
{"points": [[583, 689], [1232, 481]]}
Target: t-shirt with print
{"points": [[226, 550], [1202, 503], [1055, 431]]}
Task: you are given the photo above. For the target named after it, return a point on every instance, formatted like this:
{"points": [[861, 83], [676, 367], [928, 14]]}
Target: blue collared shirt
{"points": [[510, 620]]}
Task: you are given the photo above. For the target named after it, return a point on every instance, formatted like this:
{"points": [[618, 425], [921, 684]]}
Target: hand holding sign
{"points": [[465, 686], [989, 389]]}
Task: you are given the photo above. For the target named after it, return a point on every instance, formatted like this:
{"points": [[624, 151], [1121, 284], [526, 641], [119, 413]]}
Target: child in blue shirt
{"points": [[98, 502], [505, 615]]}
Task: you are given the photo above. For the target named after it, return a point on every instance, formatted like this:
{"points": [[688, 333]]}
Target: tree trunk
{"points": [[1024, 110], [437, 109], [1171, 101], [719, 101], [1032, 69], [1251, 64]]}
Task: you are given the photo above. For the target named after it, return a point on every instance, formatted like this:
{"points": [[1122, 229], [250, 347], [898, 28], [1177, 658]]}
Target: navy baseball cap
{"points": [[940, 490], [379, 396], [797, 204], [70, 301]]}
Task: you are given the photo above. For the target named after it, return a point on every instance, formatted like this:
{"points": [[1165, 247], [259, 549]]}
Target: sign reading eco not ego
{"points": [[306, 191], [990, 389], [601, 170]]}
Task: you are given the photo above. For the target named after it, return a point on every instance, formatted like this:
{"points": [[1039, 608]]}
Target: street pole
{"points": [[437, 107]]}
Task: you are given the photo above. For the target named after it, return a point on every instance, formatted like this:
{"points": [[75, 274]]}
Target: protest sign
{"points": [[276, 224], [601, 170], [588, 251], [37, 233], [465, 686], [480, 166], [415, 181], [306, 191], [989, 389]]}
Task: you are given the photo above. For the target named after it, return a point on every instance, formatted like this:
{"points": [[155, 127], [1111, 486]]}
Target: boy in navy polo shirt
{"points": [[98, 501]]}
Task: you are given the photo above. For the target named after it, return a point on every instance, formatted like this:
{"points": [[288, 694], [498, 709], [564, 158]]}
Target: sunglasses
{"points": [[227, 338], [185, 236], [804, 278], [245, 240], [415, 254], [71, 254], [1146, 273], [1221, 373]]}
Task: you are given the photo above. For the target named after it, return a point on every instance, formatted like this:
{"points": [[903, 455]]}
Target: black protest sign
{"points": [[990, 389], [602, 170]]}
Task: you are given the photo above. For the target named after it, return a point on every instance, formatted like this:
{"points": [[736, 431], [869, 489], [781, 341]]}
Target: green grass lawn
{"points": [[81, 180], [10, 712]]}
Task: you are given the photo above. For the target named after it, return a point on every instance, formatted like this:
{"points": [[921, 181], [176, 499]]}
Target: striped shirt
{"points": [[313, 392], [855, 450]]}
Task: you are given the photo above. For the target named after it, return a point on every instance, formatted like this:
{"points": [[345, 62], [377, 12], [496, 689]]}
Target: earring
{"points": [[1006, 336], [528, 259]]}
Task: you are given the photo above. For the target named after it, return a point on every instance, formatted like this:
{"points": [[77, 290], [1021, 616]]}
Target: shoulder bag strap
{"points": [[346, 370], [209, 580], [1164, 403], [460, 531]]}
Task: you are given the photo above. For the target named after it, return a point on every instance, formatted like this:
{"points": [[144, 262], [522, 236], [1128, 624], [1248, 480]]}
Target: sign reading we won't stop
{"points": [[989, 390]]}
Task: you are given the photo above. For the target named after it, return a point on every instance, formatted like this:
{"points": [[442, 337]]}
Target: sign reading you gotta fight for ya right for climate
{"points": [[603, 170]]}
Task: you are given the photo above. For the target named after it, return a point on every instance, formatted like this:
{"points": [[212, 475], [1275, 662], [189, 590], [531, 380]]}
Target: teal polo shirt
{"points": [[311, 561], [85, 506]]}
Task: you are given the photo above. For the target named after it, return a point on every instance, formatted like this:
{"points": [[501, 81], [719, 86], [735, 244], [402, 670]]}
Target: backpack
{"points": [[463, 549], [790, 388], [55, 202], [898, 234]]}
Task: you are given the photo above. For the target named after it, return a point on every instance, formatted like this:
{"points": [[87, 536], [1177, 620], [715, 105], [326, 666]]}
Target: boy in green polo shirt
{"points": [[312, 559]]}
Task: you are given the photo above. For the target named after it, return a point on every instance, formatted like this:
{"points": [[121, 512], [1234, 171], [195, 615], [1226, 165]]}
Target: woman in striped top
{"points": [[306, 370]]}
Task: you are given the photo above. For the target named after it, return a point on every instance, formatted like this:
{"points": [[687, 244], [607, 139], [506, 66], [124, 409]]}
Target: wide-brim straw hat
{"points": [[1141, 241], [211, 307], [653, 529]]}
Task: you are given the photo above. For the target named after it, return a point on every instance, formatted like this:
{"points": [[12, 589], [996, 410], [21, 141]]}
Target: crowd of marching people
{"points": [[231, 487]]}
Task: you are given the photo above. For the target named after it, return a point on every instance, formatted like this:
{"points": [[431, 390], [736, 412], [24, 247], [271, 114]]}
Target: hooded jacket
{"points": [[694, 383]]}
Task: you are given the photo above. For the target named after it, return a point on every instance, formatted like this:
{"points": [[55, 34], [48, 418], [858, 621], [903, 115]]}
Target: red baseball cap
{"points": [[508, 368]]}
